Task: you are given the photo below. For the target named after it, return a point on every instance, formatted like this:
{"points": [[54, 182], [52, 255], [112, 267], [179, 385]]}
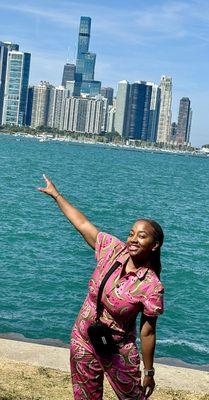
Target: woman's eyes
{"points": [[141, 235]]}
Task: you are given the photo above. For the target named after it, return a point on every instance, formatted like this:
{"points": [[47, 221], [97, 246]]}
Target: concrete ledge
{"points": [[58, 358]]}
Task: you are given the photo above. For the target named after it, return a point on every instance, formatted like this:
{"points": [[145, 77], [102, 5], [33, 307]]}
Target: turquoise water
{"points": [[45, 265]]}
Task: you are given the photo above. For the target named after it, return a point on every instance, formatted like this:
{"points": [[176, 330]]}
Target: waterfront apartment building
{"points": [[164, 124], [56, 96], [111, 119], [82, 115], [14, 74], [40, 106], [184, 121], [137, 110], [122, 104]]}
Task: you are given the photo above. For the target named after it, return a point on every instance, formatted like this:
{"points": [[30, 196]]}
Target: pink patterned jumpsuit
{"points": [[124, 296]]}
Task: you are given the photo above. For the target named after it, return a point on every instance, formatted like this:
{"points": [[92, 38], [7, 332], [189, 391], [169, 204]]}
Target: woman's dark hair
{"points": [[159, 237]]}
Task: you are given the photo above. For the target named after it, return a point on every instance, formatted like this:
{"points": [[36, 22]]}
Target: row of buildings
{"points": [[141, 110]]}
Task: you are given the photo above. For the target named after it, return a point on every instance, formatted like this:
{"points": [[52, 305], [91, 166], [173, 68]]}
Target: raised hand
{"points": [[50, 188]]}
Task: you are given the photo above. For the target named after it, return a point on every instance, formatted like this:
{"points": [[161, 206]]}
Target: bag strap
{"points": [[99, 297]]}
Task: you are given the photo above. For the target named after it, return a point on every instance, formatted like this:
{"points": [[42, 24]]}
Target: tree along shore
{"points": [[109, 138]]}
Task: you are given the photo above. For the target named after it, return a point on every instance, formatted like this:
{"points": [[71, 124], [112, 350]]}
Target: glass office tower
{"points": [[154, 113], [68, 73], [84, 36], [85, 63], [16, 87], [184, 121], [139, 110]]}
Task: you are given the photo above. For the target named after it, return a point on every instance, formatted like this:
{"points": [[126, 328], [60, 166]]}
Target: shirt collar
{"points": [[141, 272]]}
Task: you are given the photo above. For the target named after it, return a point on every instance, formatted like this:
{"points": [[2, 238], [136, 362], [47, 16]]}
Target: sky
{"points": [[133, 40]]}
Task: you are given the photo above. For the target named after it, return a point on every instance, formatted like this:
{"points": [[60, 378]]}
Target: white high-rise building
{"points": [[111, 119], [41, 96], [55, 106], [164, 124], [82, 115], [121, 113], [189, 126]]}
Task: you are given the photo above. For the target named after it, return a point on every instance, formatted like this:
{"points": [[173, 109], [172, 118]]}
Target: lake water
{"points": [[45, 264]]}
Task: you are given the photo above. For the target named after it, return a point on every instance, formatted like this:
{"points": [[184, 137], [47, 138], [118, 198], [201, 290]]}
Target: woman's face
{"points": [[141, 242]]}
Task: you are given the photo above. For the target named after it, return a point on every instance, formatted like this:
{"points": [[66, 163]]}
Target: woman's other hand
{"points": [[148, 386], [50, 188]]}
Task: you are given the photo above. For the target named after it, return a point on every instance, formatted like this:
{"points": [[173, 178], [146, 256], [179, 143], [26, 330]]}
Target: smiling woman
{"points": [[126, 279], [145, 239]]}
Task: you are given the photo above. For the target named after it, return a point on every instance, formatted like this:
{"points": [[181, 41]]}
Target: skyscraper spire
{"points": [[84, 36]]}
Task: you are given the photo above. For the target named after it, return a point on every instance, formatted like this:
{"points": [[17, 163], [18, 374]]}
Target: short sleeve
{"points": [[154, 302], [105, 245]]}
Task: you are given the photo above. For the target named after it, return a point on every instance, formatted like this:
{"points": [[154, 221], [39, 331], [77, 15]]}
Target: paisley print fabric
{"points": [[88, 369], [124, 296]]}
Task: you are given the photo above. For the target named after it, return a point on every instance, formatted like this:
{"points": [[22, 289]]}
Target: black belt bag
{"points": [[101, 338], [101, 335]]}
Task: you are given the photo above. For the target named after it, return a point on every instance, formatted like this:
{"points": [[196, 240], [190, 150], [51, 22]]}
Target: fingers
{"points": [[148, 391], [41, 189], [47, 180], [148, 386]]}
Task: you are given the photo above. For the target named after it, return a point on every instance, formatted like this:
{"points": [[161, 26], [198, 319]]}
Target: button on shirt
{"points": [[124, 295]]}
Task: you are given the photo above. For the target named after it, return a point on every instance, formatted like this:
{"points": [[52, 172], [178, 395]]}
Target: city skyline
{"points": [[116, 62], [143, 113]]}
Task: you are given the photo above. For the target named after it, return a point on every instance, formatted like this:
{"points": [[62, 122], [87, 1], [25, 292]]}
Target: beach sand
{"points": [[30, 371]]}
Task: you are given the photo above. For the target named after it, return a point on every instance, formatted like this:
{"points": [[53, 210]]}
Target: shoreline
{"points": [[56, 358], [47, 137], [57, 343]]}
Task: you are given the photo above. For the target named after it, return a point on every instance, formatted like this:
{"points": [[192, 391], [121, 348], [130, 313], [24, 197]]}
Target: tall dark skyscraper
{"points": [[174, 128], [107, 92], [139, 109], [184, 121], [29, 105], [84, 36], [85, 63], [154, 113], [3, 69], [68, 73]]}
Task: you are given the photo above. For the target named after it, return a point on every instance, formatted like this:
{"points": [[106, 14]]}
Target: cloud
{"points": [[142, 24], [50, 14]]}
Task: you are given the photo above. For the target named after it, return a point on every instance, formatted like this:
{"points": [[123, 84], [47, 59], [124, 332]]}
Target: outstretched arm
{"points": [[148, 339], [77, 219]]}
